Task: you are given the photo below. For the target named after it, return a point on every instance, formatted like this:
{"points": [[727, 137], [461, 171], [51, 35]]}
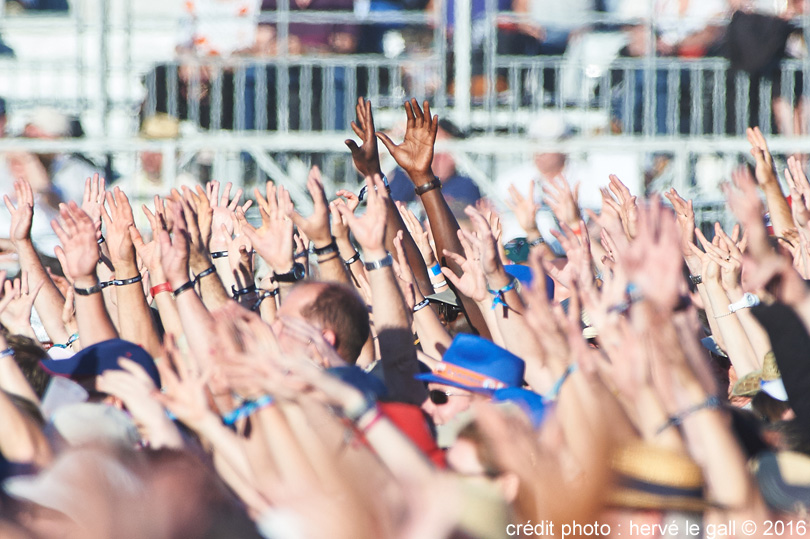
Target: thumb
{"points": [[353, 147]]}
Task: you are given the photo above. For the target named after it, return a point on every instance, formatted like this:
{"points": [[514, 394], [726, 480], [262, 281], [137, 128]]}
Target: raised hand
{"points": [[17, 303], [316, 226], [118, 222], [524, 208], [23, 214], [224, 209], [484, 242], [799, 192], [77, 233], [183, 388], [415, 154], [274, 239], [685, 214], [369, 230], [725, 254], [366, 158], [95, 193], [472, 282], [765, 169], [653, 260], [420, 235], [135, 388], [562, 200], [174, 249], [627, 207]]}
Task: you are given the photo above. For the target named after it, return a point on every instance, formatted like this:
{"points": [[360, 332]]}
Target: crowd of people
{"points": [[361, 372]]}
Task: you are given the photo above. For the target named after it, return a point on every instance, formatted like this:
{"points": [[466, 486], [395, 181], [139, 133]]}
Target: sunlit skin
{"points": [[457, 401]]}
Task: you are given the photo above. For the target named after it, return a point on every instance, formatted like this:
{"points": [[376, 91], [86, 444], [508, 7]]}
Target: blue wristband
{"points": [[435, 269], [246, 409]]}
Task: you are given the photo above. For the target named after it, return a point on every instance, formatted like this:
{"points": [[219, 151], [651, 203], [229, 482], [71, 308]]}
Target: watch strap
{"points": [[382, 263], [435, 183]]}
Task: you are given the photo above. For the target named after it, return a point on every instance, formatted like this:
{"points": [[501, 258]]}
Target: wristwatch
{"points": [[748, 300], [297, 273]]}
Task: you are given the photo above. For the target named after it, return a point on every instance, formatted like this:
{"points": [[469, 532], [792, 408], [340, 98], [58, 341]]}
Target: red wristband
{"points": [[163, 287]]}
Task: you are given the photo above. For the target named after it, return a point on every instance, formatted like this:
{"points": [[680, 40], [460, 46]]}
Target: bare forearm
{"points": [[20, 439], [738, 347], [134, 315], [778, 208], [92, 318], [412, 253], [444, 227], [213, 292], [49, 301]]}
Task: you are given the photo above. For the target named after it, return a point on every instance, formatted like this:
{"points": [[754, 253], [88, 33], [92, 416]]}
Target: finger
{"points": [[387, 142]]}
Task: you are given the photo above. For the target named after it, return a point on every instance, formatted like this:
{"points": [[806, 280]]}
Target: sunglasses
{"points": [[447, 312], [439, 397]]}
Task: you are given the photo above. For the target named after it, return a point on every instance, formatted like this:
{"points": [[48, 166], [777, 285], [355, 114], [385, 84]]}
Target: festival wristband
{"points": [[162, 287]]}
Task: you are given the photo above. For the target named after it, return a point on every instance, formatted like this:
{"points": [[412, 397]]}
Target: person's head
{"points": [[158, 127], [333, 308], [445, 402], [27, 355], [549, 127], [471, 369], [653, 486], [47, 123]]}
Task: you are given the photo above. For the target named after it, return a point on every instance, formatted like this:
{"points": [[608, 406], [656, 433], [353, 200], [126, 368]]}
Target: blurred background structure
{"points": [[156, 93]]}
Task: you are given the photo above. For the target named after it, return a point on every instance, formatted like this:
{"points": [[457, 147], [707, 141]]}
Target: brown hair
{"points": [[28, 354], [339, 308]]}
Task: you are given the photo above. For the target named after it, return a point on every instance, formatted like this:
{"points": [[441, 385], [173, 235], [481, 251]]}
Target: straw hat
{"points": [[649, 477]]}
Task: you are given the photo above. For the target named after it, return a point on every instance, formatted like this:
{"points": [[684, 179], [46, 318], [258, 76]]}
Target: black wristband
{"points": [[355, 257], [204, 273], [331, 248], [95, 289], [182, 288], [243, 291], [263, 296], [435, 183], [123, 282], [421, 305], [219, 254], [379, 264], [100, 240]]}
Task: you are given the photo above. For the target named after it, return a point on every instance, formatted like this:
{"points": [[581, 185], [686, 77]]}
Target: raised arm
{"points": [[768, 181], [77, 233], [49, 301], [392, 320], [134, 315], [415, 156], [367, 161], [316, 228]]}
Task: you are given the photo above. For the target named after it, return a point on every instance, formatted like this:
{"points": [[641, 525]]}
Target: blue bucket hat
{"points": [[532, 404], [100, 357], [476, 364]]}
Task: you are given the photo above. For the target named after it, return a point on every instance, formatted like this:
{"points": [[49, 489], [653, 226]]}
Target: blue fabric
{"points": [[529, 401], [100, 357], [483, 357]]}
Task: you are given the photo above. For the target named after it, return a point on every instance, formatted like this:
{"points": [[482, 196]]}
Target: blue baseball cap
{"points": [[100, 357], [532, 404], [476, 364]]}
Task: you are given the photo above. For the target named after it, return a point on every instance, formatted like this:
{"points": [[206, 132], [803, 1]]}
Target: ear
{"points": [[508, 483], [330, 337]]}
